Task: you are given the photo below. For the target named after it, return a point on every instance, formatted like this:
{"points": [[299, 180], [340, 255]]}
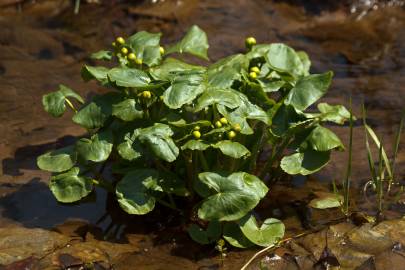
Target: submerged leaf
{"points": [[326, 200]]}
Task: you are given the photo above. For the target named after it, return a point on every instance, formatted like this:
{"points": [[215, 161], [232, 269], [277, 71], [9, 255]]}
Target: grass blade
{"points": [[346, 185], [369, 153], [379, 145], [396, 144]]}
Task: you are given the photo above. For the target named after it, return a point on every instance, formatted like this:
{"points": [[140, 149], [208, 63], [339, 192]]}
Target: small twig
{"points": [[271, 247]]}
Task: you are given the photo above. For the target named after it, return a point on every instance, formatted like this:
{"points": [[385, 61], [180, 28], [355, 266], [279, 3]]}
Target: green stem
{"points": [[77, 6], [171, 200], [204, 162], [346, 185], [70, 105], [276, 153], [104, 184], [162, 202], [256, 147]]}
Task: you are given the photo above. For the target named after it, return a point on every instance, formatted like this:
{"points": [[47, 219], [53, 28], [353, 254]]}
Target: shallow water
{"points": [[46, 44]]}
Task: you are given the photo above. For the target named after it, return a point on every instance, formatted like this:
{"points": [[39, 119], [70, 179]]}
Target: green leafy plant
{"points": [[172, 129]]}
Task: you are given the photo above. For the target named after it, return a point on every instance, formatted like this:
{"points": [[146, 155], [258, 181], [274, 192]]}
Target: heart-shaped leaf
{"points": [[195, 145], [223, 73], [322, 139], [195, 42], [305, 163], [59, 160], [170, 67], [96, 113], [145, 45], [102, 55], [232, 196], [158, 138], [54, 103], [205, 237], [134, 191], [284, 59], [226, 97], [232, 149], [184, 89], [270, 232], [97, 73], [127, 110], [70, 186], [235, 237], [96, 149], [128, 77], [308, 90], [337, 114]]}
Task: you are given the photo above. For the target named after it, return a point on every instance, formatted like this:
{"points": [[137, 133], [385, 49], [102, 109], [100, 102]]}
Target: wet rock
{"points": [[18, 243], [42, 249]]}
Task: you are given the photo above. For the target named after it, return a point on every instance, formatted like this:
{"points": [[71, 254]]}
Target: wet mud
{"points": [[44, 44]]}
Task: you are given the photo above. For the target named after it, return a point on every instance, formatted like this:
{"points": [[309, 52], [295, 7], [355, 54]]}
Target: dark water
{"points": [[45, 44]]}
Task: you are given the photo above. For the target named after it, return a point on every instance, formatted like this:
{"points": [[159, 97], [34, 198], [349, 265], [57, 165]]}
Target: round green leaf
{"points": [[305, 163], [195, 145], [271, 231], [326, 200], [96, 149], [184, 89], [127, 110], [323, 139], [283, 58], [70, 186], [308, 90], [170, 67], [225, 97], [234, 236], [128, 77], [158, 138], [195, 42], [97, 73], [102, 55], [54, 103], [134, 191], [231, 196], [58, 161], [205, 237], [232, 149]]}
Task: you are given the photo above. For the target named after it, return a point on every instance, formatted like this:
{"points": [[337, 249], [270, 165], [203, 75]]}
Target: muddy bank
{"points": [[46, 44]]}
